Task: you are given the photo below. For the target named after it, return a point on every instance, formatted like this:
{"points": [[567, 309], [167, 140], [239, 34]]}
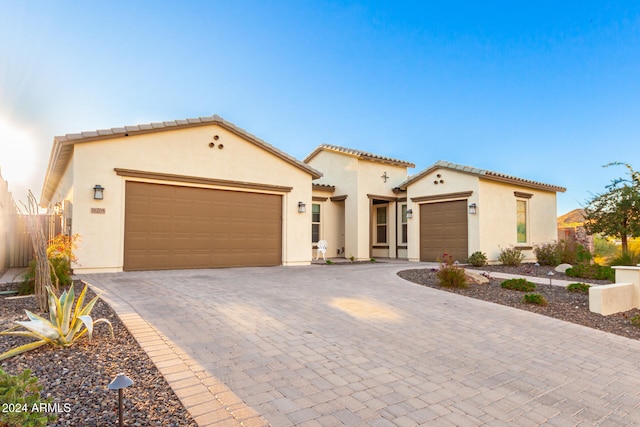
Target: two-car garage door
{"points": [[174, 227]]}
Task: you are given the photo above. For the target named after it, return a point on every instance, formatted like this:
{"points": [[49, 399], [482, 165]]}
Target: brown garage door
{"points": [[172, 227], [443, 228]]}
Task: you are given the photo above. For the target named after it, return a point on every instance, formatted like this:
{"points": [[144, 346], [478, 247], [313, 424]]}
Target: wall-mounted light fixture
{"points": [[302, 208], [473, 208], [57, 208], [98, 192], [409, 213]]}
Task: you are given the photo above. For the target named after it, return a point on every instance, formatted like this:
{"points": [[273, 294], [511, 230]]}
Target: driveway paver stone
{"points": [[357, 345]]}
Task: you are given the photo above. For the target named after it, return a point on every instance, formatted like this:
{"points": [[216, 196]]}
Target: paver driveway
{"points": [[357, 345]]}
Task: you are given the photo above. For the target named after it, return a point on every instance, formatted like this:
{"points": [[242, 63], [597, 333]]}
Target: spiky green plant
{"points": [[64, 326]]}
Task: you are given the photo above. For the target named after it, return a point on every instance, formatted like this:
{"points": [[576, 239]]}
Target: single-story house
{"points": [[366, 206], [203, 193], [193, 193]]}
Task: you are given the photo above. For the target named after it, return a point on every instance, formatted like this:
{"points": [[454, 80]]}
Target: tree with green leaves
{"points": [[616, 212]]}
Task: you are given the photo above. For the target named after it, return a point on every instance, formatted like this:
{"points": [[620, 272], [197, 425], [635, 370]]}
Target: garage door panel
{"points": [[444, 228], [169, 227]]}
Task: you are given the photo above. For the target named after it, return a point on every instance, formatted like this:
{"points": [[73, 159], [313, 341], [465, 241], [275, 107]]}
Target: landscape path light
{"points": [[550, 274], [120, 382]]}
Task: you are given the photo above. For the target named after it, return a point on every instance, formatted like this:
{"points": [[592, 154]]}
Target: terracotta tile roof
{"points": [[62, 149], [323, 187], [483, 173], [359, 154]]}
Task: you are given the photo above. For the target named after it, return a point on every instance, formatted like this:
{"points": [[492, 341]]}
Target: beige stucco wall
{"points": [[494, 225], [357, 178], [331, 222], [342, 172], [454, 182], [497, 215], [180, 152]]}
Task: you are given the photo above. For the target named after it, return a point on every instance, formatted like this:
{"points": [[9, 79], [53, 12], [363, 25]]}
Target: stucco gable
{"points": [[363, 155], [63, 146], [481, 173]]}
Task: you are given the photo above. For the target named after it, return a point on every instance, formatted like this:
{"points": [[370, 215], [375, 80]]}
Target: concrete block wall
{"points": [[618, 297]]}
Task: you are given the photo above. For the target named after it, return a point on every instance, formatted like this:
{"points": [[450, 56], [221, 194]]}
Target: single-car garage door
{"points": [[443, 228], [174, 227]]}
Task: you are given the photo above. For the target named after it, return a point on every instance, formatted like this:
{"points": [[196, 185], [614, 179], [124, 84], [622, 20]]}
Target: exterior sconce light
{"points": [[98, 192], [473, 208], [409, 213], [57, 209], [302, 208], [120, 382]]}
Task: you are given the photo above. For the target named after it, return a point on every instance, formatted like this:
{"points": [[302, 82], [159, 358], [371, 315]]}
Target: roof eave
{"points": [[64, 145]]}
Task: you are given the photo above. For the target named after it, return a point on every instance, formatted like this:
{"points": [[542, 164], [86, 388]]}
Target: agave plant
{"points": [[64, 326]]}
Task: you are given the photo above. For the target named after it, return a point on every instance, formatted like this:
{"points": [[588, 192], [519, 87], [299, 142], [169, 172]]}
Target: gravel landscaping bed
{"points": [[569, 306], [528, 269], [77, 377]]}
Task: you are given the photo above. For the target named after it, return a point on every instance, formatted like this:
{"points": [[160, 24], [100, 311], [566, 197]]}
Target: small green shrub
{"points": [[522, 285], [372, 260], [592, 271], [635, 320], [450, 274], [18, 395], [511, 256], [548, 253], [329, 262], [582, 288], [582, 255], [477, 259], [534, 299]]}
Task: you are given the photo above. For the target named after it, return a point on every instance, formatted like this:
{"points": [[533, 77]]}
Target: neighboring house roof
{"points": [[62, 149], [482, 173], [323, 187], [359, 154]]}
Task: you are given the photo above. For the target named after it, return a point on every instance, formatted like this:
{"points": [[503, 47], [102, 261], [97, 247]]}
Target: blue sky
{"points": [[545, 90]]}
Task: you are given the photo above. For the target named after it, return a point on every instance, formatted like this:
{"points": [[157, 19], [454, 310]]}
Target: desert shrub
{"points": [[635, 320], [450, 274], [60, 254], [477, 259], [522, 285], [603, 247], [582, 255], [548, 253], [562, 251], [572, 252], [582, 288], [534, 299], [630, 258], [592, 271], [511, 256], [18, 395], [64, 326]]}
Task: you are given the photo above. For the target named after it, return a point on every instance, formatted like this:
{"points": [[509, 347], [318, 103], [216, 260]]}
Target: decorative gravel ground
{"points": [[569, 306], [79, 375]]}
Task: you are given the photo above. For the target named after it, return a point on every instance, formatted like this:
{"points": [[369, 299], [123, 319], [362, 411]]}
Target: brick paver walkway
{"points": [[356, 345]]}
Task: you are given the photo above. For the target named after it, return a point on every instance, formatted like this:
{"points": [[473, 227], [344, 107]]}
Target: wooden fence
{"points": [[19, 241]]}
